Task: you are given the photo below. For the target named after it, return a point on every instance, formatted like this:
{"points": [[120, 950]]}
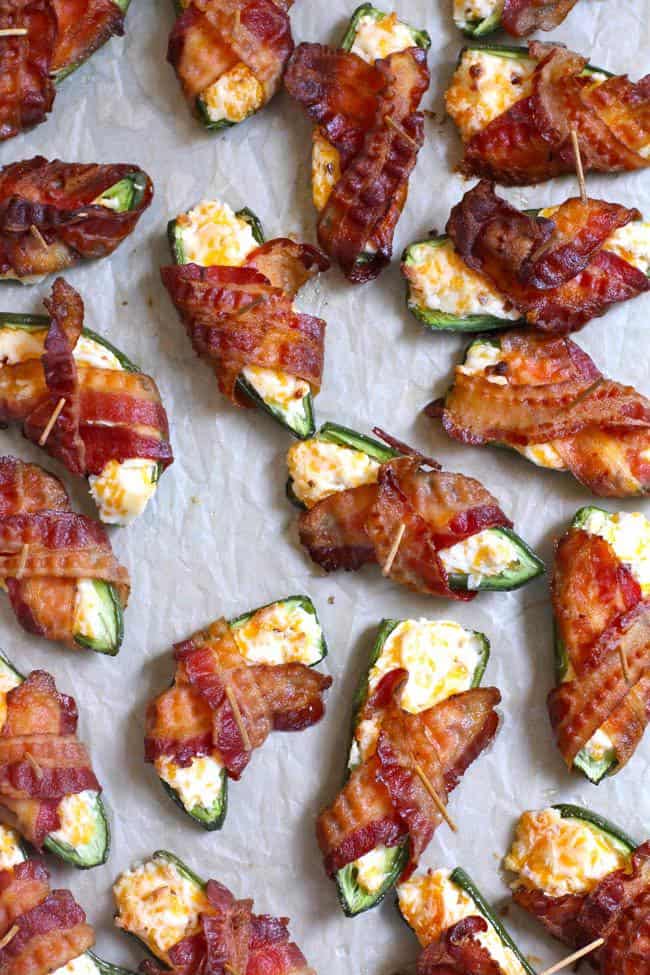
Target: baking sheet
{"points": [[220, 537]]}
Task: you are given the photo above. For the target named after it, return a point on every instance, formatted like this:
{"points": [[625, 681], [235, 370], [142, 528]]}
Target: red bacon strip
{"points": [[210, 38], [386, 798], [521, 17], [57, 199], [244, 316], [222, 706], [458, 952], [107, 414], [369, 113], [554, 394], [438, 509]]}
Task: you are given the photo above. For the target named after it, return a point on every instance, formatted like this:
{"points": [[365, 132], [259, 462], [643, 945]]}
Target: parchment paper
{"points": [[220, 537]]}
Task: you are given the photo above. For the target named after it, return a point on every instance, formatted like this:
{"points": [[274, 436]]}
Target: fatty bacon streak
{"points": [[45, 548], [601, 618], [554, 394], [222, 706], [369, 114], [108, 414], [531, 141], [49, 219], [387, 798], [211, 37], [60, 35], [458, 952], [617, 909], [49, 928], [557, 272], [349, 528], [233, 939], [244, 316], [41, 759]]}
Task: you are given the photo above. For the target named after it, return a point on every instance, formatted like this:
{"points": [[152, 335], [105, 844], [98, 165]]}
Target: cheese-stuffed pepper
{"points": [[436, 532], [112, 427], [47, 784], [585, 879], [58, 569], [543, 397], [41, 43], [458, 931], [230, 56], [270, 356], [515, 109], [235, 683], [554, 269], [439, 659], [363, 98], [601, 603], [193, 926], [55, 214]]}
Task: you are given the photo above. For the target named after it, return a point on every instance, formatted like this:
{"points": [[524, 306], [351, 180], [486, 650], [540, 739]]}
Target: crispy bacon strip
{"points": [[531, 141], [108, 414], [618, 910], [41, 760], [50, 927], [600, 616], [244, 316], [554, 394], [45, 548], [386, 799], [223, 706], [57, 199], [458, 952], [210, 38], [438, 509], [521, 17], [369, 113], [557, 272]]}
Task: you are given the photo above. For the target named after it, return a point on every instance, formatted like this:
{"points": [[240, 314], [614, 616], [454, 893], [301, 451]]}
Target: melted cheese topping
{"points": [[325, 168], [278, 634], [158, 904], [431, 903], [629, 535], [78, 815], [560, 856], [198, 785], [600, 746], [371, 869], [83, 965], [484, 86], [278, 389], [468, 12], [377, 37], [87, 352], [212, 234], [319, 468], [632, 243], [123, 489], [8, 680], [234, 96], [488, 553], [10, 851], [20, 344]]}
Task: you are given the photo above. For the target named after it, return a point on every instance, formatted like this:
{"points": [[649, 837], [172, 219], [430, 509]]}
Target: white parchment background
{"points": [[220, 537]]}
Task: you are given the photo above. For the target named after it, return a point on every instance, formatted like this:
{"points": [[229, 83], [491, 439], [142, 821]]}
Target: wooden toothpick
{"points": [[239, 719], [34, 764], [35, 232], [11, 933], [23, 561], [13, 32], [442, 809], [580, 173], [574, 957], [397, 541], [50, 423], [624, 666]]}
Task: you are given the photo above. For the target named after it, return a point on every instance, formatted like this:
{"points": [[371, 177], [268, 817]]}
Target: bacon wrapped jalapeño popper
{"points": [[458, 931], [58, 569], [192, 926], [41, 43], [235, 683], [515, 108], [229, 56], [42, 931], [543, 397], [438, 659], [270, 356], [112, 427], [554, 269], [413, 739], [601, 602], [585, 879], [362, 497], [363, 98], [47, 784], [55, 214]]}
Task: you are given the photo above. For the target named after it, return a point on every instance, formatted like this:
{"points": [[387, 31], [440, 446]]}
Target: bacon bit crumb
{"points": [[475, 70], [330, 600]]}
